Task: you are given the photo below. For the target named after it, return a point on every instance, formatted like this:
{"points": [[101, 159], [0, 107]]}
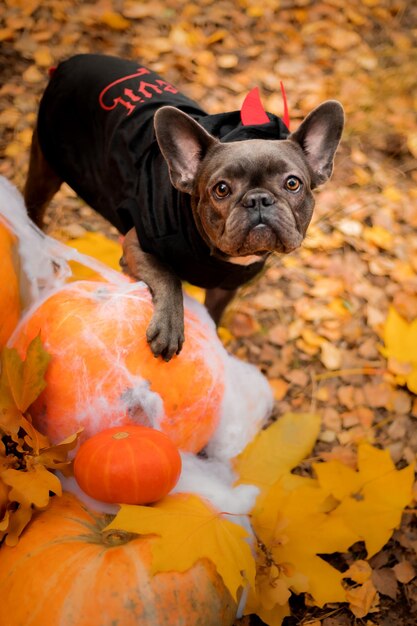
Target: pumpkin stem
{"points": [[113, 537], [121, 435]]}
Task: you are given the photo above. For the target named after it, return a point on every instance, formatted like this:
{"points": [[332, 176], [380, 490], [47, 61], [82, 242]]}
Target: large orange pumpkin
{"points": [[9, 285], [66, 572], [128, 465], [102, 372]]}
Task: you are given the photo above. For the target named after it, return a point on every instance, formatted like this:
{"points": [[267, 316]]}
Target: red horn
{"points": [[252, 111]]}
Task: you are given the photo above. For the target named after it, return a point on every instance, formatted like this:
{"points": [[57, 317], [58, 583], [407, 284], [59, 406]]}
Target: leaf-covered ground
{"points": [[314, 322]]}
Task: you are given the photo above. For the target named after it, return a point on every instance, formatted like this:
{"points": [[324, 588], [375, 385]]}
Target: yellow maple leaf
{"points": [[400, 338], [189, 529], [277, 449], [195, 292], [371, 499], [295, 527], [99, 247]]}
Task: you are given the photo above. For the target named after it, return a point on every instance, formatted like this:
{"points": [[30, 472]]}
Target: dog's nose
{"points": [[257, 199]]}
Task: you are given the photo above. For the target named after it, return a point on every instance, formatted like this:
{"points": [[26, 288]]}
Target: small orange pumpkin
{"points": [[129, 465], [9, 285], [102, 372], [65, 571]]}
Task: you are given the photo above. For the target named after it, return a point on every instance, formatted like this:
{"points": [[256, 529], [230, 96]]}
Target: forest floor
{"points": [[314, 322]]}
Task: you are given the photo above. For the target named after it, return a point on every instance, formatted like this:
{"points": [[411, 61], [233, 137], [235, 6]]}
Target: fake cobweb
{"points": [[245, 399]]}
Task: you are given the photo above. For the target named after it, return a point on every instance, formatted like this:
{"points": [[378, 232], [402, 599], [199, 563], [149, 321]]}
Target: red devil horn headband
{"points": [[252, 111]]}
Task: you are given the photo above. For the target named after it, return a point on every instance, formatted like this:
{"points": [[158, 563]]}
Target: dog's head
{"points": [[254, 196]]}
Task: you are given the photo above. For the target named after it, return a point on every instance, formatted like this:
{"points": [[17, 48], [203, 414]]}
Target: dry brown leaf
{"points": [[404, 572], [32, 75], [279, 388], [298, 377], [278, 334], [385, 582], [7, 34], [359, 571], [331, 356], [227, 61], [43, 57], [114, 20], [363, 599], [243, 325], [26, 455], [377, 394]]}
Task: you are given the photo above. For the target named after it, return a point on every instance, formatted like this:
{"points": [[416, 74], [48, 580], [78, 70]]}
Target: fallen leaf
{"points": [[373, 498], [227, 61], [385, 582], [412, 143], [43, 57], [277, 449], [359, 571], [243, 325], [189, 529], [99, 247], [297, 377], [400, 338], [114, 20], [404, 572], [363, 599], [33, 75], [331, 356], [279, 388], [378, 236], [278, 334], [295, 527]]}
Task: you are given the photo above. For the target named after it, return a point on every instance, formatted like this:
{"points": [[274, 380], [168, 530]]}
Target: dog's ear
{"points": [[319, 135], [184, 143]]}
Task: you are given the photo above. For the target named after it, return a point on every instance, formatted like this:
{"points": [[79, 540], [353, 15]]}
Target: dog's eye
{"points": [[293, 183], [222, 189]]}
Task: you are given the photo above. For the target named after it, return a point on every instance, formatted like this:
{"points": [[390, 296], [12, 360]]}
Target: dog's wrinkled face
{"points": [[250, 197], [253, 197]]}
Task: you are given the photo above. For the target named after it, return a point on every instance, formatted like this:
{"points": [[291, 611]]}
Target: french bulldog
{"points": [[201, 198]]}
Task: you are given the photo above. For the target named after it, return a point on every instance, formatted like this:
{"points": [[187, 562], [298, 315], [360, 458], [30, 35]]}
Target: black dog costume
{"points": [[120, 147]]}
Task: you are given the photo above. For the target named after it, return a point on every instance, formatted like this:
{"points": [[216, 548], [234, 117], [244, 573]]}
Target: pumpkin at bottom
{"points": [[66, 572]]}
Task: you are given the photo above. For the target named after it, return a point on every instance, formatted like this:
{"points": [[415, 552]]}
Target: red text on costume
{"points": [[138, 91]]}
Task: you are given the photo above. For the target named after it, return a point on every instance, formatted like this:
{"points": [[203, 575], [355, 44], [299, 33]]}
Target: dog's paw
{"points": [[165, 335]]}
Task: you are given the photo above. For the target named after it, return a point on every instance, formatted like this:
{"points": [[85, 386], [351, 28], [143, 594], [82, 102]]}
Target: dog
{"points": [[198, 197]]}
